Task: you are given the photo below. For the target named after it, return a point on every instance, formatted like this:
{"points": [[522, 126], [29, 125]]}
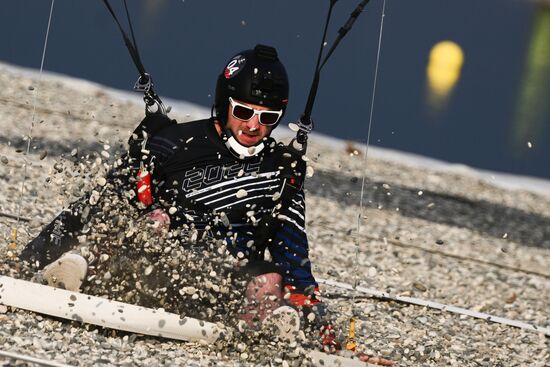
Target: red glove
{"points": [[298, 300]]}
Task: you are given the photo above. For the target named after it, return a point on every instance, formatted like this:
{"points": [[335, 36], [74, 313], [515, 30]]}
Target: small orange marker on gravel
{"points": [[12, 246], [351, 344]]}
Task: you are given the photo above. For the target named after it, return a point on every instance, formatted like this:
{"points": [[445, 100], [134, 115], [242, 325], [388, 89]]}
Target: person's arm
{"points": [[290, 252]]}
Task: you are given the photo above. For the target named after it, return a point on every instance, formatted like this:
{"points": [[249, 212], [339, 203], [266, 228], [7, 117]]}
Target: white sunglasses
{"points": [[245, 113]]}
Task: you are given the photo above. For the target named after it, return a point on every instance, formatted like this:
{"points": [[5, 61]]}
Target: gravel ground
{"points": [[429, 234]]}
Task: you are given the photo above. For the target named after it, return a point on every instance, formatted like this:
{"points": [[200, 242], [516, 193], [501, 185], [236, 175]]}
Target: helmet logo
{"points": [[234, 66]]}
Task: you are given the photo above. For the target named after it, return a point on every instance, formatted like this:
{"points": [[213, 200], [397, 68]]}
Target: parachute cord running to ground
{"points": [[33, 360], [361, 205], [18, 218], [29, 137], [458, 257]]}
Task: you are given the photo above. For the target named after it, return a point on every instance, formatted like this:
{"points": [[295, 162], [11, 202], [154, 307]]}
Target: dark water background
{"points": [[499, 104]]}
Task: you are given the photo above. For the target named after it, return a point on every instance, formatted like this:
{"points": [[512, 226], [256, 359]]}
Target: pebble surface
{"points": [[433, 235]]}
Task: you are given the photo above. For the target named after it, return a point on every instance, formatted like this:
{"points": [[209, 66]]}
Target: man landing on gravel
{"points": [[219, 175]]}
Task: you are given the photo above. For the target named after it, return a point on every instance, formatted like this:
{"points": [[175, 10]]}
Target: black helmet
{"points": [[253, 76]]}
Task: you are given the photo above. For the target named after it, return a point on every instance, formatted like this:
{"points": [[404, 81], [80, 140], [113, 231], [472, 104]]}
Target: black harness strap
{"points": [[132, 46], [305, 123], [306, 116], [154, 121], [145, 82]]}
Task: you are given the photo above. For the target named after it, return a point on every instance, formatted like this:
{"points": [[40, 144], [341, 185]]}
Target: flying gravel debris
{"points": [[147, 236]]}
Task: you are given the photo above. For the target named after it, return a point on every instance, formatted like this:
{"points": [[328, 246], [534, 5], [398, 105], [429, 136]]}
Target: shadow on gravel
{"points": [[485, 217]]}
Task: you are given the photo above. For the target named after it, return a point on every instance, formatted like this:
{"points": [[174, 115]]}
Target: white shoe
{"points": [[284, 322], [67, 272]]}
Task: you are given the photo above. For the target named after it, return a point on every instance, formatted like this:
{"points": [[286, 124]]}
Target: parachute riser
{"points": [[305, 122], [144, 84]]}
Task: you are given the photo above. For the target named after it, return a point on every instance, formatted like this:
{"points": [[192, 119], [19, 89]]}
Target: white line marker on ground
{"points": [[438, 306]]}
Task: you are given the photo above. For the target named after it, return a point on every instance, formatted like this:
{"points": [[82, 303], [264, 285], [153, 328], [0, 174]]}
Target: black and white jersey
{"points": [[203, 184]]}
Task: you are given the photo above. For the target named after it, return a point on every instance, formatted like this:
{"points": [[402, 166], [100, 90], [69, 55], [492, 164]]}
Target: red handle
{"points": [[144, 188]]}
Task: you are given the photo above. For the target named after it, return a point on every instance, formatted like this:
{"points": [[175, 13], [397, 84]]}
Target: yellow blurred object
{"points": [[443, 72], [444, 67], [351, 344]]}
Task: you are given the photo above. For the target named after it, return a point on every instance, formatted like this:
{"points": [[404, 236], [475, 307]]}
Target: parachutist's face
{"points": [[248, 132]]}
